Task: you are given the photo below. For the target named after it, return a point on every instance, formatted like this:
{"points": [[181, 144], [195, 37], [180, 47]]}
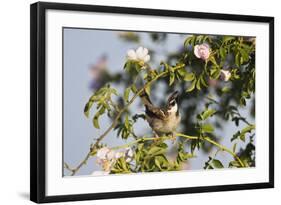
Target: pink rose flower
{"points": [[202, 51]]}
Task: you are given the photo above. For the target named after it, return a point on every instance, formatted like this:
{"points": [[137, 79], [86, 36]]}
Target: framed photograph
{"points": [[129, 102]]}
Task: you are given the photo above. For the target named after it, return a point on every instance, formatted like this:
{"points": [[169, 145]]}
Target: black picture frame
{"points": [[38, 101]]}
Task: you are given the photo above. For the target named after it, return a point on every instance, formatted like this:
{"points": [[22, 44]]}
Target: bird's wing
{"points": [[150, 109], [154, 112]]}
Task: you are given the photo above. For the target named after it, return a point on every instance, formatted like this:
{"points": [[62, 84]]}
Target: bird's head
{"points": [[172, 105]]}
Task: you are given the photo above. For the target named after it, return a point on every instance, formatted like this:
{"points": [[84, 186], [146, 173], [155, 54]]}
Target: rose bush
{"points": [[199, 71]]}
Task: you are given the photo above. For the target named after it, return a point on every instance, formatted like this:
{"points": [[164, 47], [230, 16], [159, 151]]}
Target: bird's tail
{"points": [[145, 99]]}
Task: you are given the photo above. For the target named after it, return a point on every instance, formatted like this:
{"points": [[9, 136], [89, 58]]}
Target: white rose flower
{"points": [[110, 155], [102, 153], [106, 158], [141, 55], [105, 154], [225, 75]]}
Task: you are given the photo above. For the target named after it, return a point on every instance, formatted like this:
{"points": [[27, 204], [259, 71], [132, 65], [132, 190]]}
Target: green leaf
{"points": [[182, 156], [207, 113], [216, 73], [156, 151], [226, 89], [203, 81], [134, 88], [126, 94], [157, 163], [148, 89], [123, 164], [199, 38], [234, 164], [127, 65], [127, 123], [235, 136], [133, 67], [248, 129], [192, 86], [244, 55], [237, 59], [161, 162], [245, 130], [172, 78], [189, 41], [87, 108], [213, 60], [207, 128], [182, 72], [96, 117], [96, 122], [242, 134], [234, 147], [217, 164], [222, 52], [226, 39], [113, 91], [189, 76], [242, 137], [243, 101], [198, 84]]}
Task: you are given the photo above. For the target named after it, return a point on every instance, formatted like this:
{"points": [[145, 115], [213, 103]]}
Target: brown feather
{"points": [[151, 110]]}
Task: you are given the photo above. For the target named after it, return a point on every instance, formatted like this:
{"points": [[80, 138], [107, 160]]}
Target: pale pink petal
{"points": [[146, 58], [202, 51], [206, 46], [101, 154], [140, 53], [131, 54], [145, 51], [119, 155], [196, 51], [110, 155]]}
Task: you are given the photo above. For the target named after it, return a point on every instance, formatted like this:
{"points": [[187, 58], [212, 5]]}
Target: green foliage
{"points": [[206, 114], [133, 67], [242, 134], [121, 167], [192, 86], [125, 129], [152, 157], [127, 94], [102, 99], [182, 155], [177, 72], [213, 164], [207, 128]]}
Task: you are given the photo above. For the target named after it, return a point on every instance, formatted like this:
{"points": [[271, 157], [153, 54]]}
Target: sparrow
{"points": [[162, 120]]}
